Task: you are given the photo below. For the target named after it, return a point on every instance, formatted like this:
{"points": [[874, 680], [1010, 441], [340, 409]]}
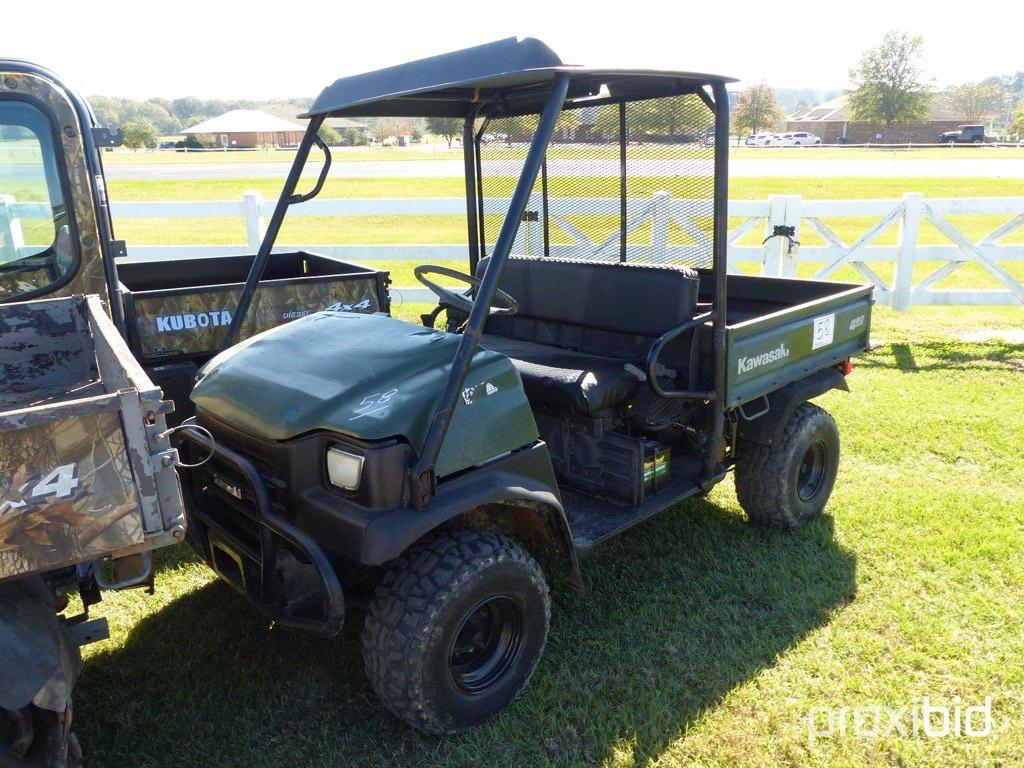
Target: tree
{"points": [[757, 109], [329, 135], [138, 134], [675, 117], [388, 127], [445, 127], [1017, 121], [188, 108], [108, 110], [975, 102], [149, 112], [191, 120], [888, 85]]}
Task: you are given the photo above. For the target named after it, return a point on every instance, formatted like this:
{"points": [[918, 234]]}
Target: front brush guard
{"points": [[267, 593]]}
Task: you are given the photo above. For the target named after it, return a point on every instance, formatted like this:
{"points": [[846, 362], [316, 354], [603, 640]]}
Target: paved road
{"points": [[965, 168]]}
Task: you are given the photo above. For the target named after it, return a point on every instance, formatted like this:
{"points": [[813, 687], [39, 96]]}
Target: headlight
{"points": [[344, 469]]}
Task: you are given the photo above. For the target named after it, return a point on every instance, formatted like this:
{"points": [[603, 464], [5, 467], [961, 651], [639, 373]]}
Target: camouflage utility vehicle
{"points": [[87, 340], [601, 367], [86, 468]]}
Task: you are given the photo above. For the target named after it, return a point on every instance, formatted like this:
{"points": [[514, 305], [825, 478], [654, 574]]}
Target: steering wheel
{"points": [[458, 300]]}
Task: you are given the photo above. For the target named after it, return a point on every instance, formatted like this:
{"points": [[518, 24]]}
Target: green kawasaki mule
{"points": [[600, 366]]}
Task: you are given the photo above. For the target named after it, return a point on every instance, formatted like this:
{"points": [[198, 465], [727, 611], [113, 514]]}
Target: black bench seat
{"points": [[563, 380], [580, 323]]}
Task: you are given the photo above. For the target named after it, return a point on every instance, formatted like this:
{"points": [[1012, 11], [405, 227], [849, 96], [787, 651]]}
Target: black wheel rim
{"points": [[813, 468], [486, 644]]}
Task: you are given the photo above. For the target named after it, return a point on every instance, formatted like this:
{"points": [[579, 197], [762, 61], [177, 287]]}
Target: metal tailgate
{"points": [[85, 470], [768, 352]]}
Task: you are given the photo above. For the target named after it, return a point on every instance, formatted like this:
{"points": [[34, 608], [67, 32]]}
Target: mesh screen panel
{"points": [[649, 200]]}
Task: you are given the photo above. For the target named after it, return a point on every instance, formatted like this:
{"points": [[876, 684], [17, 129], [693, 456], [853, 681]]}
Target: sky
{"points": [[262, 50]]}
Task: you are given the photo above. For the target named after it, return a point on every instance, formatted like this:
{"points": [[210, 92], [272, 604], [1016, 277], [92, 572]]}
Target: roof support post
{"points": [[259, 264], [469, 149], [482, 238], [623, 202], [715, 452], [422, 474]]}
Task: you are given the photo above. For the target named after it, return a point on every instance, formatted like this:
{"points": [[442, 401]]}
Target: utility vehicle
{"points": [[87, 481], [601, 365], [88, 486]]}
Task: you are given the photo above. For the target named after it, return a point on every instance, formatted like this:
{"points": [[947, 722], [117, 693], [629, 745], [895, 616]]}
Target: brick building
{"points": [[249, 128], [831, 121]]}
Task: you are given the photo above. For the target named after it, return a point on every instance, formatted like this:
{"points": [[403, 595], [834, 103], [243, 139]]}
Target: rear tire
{"points": [[455, 629], [39, 738], [787, 484], [44, 666]]}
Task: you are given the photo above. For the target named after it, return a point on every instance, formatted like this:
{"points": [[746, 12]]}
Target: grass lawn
{"points": [[740, 188], [701, 639]]}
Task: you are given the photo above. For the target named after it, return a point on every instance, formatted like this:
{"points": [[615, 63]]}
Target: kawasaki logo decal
{"points": [[747, 364], [187, 321]]}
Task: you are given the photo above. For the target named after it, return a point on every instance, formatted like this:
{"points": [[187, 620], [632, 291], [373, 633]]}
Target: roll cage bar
{"points": [[484, 97]]}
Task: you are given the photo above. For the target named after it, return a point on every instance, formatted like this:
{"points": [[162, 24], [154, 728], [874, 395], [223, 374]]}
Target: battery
{"points": [[657, 460]]}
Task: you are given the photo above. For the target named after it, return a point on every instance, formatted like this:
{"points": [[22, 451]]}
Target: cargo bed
{"points": [[87, 472], [805, 326], [180, 310]]}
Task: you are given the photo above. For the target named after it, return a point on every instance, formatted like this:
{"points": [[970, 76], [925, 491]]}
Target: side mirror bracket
{"points": [[105, 137]]}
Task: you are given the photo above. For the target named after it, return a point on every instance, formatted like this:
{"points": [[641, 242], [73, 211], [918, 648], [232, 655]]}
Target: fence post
{"points": [[774, 247], [659, 225], [11, 238], [791, 218], [909, 226], [251, 202]]}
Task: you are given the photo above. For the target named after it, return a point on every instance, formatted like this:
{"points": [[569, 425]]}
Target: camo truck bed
{"points": [[180, 310], [84, 469]]}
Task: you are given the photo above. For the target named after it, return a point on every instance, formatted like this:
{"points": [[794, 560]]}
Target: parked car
{"points": [[964, 134], [797, 139], [759, 139]]}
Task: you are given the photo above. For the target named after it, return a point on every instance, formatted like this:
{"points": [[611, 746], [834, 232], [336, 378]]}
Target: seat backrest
{"points": [[622, 298]]}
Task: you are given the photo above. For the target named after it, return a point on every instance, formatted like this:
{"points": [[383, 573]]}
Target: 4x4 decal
{"points": [[60, 483]]}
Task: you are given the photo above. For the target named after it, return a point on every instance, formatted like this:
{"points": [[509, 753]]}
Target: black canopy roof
{"points": [[510, 76]]}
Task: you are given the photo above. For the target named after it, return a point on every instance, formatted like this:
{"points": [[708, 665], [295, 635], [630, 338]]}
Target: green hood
{"points": [[370, 377]]}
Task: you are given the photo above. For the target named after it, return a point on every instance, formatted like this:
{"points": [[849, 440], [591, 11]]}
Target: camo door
{"points": [[50, 240]]}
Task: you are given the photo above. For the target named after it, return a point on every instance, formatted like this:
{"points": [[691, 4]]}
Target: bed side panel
{"points": [[193, 321], [66, 493], [44, 346], [768, 353]]}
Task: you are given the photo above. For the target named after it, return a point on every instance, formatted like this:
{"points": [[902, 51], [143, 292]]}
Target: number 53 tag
{"points": [[824, 331]]}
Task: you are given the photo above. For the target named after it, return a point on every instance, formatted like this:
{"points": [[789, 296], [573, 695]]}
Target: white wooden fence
{"points": [[906, 287]]}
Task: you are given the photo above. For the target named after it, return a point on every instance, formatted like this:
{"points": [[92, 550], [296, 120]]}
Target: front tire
{"points": [[455, 629], [787, 484]]}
